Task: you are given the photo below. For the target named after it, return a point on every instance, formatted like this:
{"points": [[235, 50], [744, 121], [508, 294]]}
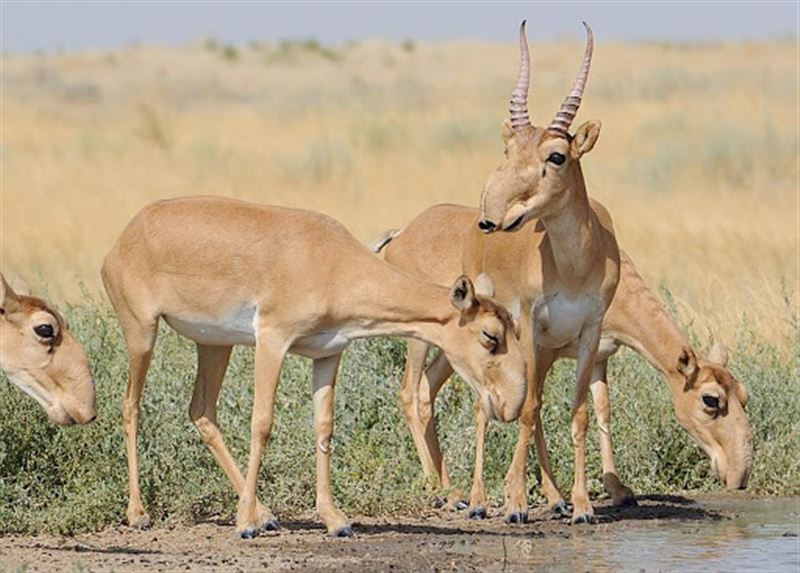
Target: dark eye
{"points": [[557, 158], [44, 330], [491, 339], [711, 401]]}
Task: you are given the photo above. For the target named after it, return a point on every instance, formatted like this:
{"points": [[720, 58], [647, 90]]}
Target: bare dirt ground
{"points": [[436, 541]]}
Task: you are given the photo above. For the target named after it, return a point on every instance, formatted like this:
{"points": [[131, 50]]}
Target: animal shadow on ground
{"points": [[667, 498], [420, 529], [360, 528], [657, 506], [293, 525], [651, 507], [87, 548]]}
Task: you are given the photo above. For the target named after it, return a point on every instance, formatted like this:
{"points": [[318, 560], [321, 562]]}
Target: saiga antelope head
{"points": [[489, 357], [541, 173], [40, 357], [710, 405]]}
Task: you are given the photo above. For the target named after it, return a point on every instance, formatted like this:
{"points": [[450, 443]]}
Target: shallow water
{"points": [[714, 535]]}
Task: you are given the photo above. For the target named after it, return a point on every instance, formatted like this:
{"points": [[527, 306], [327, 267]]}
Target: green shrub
{"points": [[230, 53]]}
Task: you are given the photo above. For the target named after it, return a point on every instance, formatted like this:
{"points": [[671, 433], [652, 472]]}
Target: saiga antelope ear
{"points": [[20, 286], [718, 354], [741, 393], [687, 365], [585, 138], [462, 294], [9, 302]]}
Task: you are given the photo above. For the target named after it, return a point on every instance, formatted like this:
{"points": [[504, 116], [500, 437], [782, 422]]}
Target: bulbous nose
{"points": [[83, 416], [486, 225], [502, 410], [87, 417]]}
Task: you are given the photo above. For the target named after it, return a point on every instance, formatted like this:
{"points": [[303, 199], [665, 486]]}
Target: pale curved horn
{"points": [[569, 108], [518, 108]]}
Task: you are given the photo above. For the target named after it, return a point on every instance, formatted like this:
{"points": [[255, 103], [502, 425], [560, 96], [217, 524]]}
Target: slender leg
{"points": [[324, 383], [555, 501], [529, 424], [434, 377], [212, 361], [477, 495], [417, 393], [620, 494], [140, 337], [416, 351], [587, 351], [270, 350]]}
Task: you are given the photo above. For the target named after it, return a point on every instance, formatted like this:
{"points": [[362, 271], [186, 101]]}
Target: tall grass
{"points": [[75, 479]]}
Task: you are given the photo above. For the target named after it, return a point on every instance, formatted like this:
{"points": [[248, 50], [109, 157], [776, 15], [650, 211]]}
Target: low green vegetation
{"points": [[75, 479]]}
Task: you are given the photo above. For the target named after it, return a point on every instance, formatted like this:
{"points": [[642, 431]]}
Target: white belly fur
{"points": [[239, 328], [321, 345], [608, 346], [234, 328], [559, 321]]}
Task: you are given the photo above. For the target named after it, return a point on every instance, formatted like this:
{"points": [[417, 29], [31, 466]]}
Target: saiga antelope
{"points": [[708, 400], [40, 357], [564, 302], [224, 272]]}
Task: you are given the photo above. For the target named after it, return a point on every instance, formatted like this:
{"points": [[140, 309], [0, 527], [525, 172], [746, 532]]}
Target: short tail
{"points": [[377, 245]]}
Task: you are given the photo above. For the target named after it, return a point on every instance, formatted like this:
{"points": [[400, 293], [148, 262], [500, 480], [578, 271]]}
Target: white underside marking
{"points": [[321, 345], [234, 328], [559, 321], [484, 285], [239, 328], [608, 346]]}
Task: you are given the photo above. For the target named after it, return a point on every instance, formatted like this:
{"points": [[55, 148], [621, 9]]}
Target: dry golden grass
{"points": [[697, 161]]}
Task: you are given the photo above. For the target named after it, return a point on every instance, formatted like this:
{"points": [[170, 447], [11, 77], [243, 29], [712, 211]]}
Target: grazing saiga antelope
{"points": [[224, 272], [708, 400], [40, 357], [577, 266]]}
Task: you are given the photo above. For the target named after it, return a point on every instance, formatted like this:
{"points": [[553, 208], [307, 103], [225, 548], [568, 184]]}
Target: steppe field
{"points": [[697, 162]]}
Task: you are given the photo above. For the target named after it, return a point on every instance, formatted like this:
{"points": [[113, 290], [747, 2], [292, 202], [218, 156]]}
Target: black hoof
{"points": [[561, 509], [477, 513], [271, 525], [627, 501], [517, 517], [248, 533], [439, 502], [461, 505], [343, 531], [585, 518]]}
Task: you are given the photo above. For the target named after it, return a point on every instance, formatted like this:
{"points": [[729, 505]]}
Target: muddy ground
{"points": [[437, 541]]}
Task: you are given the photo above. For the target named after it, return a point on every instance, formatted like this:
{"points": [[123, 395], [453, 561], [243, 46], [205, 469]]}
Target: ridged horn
{"points": [[518, 107], [569, 108]]}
